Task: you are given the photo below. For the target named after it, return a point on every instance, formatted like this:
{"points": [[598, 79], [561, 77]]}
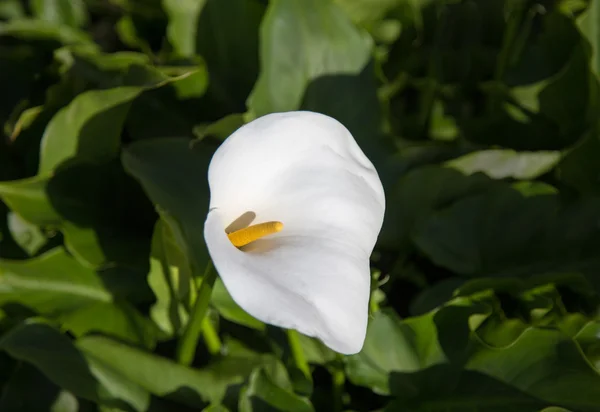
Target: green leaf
{"points": [[183, 24], [501, 164], [173, 173], [301, 41], [28, 236], [41, 30], [262, 394], [106, 217], [56, 285], [64, 364], [162, 376], [392, 345], [579, 168], [120, 320], [72, 13], [503, 232], [28, 199], [227, 37], [589, 24], [52, 284], [16, 395], [546, 364], [53, 354], [443, 388], [420, 193], [89, 128], [170, 279]]}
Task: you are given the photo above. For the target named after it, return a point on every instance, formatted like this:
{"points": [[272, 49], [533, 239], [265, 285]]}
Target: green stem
{"points": [[188, 342], [338, 379], [211, 337], [297, 352]]}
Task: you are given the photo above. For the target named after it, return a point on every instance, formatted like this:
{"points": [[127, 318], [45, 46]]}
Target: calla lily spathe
{"points": [[304, 173]]}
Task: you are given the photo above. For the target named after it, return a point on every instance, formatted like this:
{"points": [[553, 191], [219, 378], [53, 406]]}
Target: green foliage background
{"points": [[481, 116]]}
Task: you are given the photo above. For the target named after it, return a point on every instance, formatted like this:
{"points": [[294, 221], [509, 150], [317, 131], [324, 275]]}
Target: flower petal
{"points": [[305, 170], [320, 289]]}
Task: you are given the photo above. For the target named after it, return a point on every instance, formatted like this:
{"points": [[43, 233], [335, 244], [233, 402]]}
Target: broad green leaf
{"points": [[501, 164], [28, 199], [227, 37], [546, 364], [420, 193], [301, 41], [53, 354], [503, 232], [53, 283], [106, 217], [173, 173], [119, 320], [56, 285], [262, 394], [16, 395], [89, 128], [70, 13], [394, 346], [444, 388], [63, 363], [163, 377]]}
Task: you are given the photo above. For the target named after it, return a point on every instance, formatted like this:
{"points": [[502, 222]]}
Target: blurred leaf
{"points": [[70, 13], [163, 377], [41, 30], [579, 168], [119, 320], [262, 394], [28, 236], [52, 284], [589, 24], [183, 24], [501, 164], [301, 41], [16, 396], [28, 199], [173, 174], [315, 351], [11, 9]]}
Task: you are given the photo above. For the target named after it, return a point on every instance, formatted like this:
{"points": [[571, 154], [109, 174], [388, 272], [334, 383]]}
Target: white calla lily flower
{"points": [[295, 211]]}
